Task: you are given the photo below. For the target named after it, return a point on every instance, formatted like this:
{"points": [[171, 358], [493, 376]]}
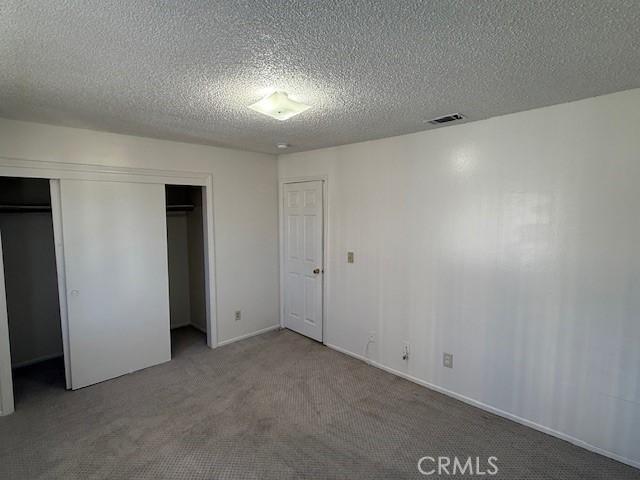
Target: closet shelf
{"points": [[180, 208], [4, 208]]}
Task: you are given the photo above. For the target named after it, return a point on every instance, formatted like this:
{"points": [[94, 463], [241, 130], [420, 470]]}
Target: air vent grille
{"points": [[446, 118]]}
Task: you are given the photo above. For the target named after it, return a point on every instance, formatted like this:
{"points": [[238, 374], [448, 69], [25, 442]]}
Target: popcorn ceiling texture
{"points": [[187, 70]]}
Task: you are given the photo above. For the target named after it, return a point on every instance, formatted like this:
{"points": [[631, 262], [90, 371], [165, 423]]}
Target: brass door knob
{"points": [[316, 271]]}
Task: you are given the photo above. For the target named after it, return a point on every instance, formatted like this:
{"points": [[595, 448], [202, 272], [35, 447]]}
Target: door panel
{"points": [[6, 382], [303, 258], [115, 250]]}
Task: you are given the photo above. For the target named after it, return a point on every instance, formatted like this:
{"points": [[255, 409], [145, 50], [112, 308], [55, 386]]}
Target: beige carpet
{"points": [[276, 406]]}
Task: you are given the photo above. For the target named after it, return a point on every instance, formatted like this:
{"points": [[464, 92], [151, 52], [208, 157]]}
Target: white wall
{"points": [[245, 206], [195, 238], [178, 253], [511, 243]]}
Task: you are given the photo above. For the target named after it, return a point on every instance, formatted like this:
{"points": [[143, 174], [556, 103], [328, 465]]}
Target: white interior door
{"points": [[6, 380], [303, 245], [115, 254]]}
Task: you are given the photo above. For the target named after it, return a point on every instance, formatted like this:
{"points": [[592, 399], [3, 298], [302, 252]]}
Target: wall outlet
{"points": [[350, 257], [447, 360], [406, 350], [372, 336], [238, 315]]}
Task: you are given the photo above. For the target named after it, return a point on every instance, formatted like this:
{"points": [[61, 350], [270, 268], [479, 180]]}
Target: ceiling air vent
{"points": [[446, 118]]}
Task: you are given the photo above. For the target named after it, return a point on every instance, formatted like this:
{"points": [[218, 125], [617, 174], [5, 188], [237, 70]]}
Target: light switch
{"points": [[349, 257]]}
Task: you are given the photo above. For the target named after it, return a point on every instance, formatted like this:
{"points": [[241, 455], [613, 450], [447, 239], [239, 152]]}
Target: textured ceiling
{"points": [[370, 69]]}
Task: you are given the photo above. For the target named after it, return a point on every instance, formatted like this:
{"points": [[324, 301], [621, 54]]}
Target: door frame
{"points": [[325, 243], [54, 170]]}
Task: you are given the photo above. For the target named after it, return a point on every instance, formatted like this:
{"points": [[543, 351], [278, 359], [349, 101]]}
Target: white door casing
{"points": [[115, 252], [303, 257], [23, 167]]}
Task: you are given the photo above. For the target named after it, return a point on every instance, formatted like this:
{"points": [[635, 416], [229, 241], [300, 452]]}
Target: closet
{"points": [[186, 260], [101, 277], [31, 285]]}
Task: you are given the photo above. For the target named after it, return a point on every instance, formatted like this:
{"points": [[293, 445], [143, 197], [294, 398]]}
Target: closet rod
{"points": [[178, 208], [24, 208]]}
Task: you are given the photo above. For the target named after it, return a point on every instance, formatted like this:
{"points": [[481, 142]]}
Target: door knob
{"points": [[316, 271]]}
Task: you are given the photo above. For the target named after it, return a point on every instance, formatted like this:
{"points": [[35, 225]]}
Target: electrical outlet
{"points": [[372, 336], [350, 257], [447, 360], [406, 350], [238, 315]]}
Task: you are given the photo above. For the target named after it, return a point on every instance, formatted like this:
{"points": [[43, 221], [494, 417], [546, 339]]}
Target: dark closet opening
{"points": [[31, 283], [185, 249]]}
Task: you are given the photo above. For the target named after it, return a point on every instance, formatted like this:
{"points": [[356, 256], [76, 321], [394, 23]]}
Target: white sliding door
{"points": [[115, 254], [6, 381]]}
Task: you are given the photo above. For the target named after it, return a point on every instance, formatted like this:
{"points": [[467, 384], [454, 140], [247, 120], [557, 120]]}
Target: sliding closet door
{"points": [[115, 249]]}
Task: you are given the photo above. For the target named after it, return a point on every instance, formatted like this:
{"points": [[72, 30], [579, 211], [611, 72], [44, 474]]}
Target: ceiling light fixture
{"points": [[282, 146], [278, 105]]}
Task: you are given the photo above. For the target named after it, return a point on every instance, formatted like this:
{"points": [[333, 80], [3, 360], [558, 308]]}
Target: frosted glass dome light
{"points": [[278, 105]]}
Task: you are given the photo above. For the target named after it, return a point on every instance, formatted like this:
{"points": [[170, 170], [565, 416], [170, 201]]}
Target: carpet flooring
{"points": [[275, 406]]}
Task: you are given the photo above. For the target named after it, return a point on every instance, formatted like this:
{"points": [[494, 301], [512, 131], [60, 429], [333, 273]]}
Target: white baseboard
{"points": [[173, 327], [198, 327], [36, 360], [494, 410], [248, 335]]}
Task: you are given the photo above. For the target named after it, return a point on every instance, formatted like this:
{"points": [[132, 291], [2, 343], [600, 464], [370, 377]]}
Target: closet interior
{"points": [[185, 249], [31, 283]]}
